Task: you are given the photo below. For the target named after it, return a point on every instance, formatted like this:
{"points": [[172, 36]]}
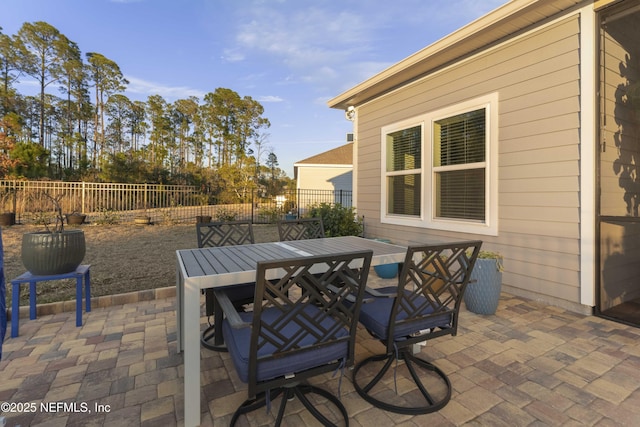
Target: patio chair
{"points": [[424, 305], [300, 229], [297, 333], [3, 299], [214, 234]]}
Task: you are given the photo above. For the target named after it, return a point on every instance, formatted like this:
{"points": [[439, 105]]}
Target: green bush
{"points": [[223, 214], [270, 215], [107, 217], [337, 219]]}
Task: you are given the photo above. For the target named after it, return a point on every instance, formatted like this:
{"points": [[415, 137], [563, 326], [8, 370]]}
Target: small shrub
{"points": [[42, 218], [226, 215], [107, 217], [169, 214], [271, 215], [168, 218], [337, 219]]}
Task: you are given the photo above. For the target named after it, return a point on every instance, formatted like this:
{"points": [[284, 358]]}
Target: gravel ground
{"points": [[123, 258]]}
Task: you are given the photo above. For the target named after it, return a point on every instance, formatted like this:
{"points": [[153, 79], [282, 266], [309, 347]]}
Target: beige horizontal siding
{"points": [[535, 142], [531, 185], [565, 91], [535, 227], [541, 214], [557, 123], [537, 80], [540, 155], [540, 170], [565, 199], [541, 285]]}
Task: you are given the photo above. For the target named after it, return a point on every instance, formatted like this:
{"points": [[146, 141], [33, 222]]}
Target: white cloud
{"points": [[170, 93], [308, 40], [270, 98], [331, 45], [233, 55]]}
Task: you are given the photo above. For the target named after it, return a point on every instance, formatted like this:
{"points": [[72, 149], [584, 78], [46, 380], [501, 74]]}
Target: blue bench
{"points": [[80, 274]]}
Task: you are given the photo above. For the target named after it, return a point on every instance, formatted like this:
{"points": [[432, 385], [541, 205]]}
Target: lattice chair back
{"points": [[424, 305], [300, 229], [3, 298], [430, 289], [305, 326], [224, 233]]}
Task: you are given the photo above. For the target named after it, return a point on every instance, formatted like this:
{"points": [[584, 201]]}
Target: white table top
{"points": [[228, 265]]}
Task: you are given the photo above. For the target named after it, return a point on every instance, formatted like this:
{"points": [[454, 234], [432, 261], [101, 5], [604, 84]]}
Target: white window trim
{"points": [[426, 218]]}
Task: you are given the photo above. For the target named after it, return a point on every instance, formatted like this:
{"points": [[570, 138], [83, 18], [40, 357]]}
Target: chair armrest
{"points": [[350, 298], [378, 294], [229, 310]]}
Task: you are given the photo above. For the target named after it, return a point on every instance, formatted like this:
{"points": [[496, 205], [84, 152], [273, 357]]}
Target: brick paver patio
{"points": [[530, 364]]}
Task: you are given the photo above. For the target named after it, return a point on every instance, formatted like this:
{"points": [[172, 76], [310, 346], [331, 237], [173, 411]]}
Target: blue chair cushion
{"points": [[375, 316], [238, 345]]}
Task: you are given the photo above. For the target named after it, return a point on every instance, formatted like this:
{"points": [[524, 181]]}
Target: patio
{"points": [[528, 364]]}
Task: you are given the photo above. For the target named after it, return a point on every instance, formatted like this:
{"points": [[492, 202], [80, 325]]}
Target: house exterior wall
{"points": [[537, 78], [325, 177]]}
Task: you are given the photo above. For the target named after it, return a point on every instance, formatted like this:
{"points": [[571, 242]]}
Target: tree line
{"points": [[81, 126]]}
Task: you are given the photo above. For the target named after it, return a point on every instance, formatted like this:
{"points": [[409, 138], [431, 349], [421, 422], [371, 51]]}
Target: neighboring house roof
{"points": [[497, 25], [342, 155]]}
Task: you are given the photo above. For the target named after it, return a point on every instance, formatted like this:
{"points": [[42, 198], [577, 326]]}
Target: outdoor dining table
{"points": [[203, 268]]}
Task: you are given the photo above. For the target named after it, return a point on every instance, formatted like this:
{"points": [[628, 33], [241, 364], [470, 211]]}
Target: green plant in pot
{"points": [[483, 291], [55, 250]]}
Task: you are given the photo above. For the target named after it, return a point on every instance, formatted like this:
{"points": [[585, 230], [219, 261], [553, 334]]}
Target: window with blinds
{"points": [[439, 169], [403, 167], [459, 162]]}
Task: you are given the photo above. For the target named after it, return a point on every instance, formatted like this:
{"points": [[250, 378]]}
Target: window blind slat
{"points": [[404, 153], [461, 194], [404, 149], [460, 139]]}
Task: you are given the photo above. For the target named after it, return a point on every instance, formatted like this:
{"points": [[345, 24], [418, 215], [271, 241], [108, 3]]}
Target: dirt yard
{"points": [[123, 258]]}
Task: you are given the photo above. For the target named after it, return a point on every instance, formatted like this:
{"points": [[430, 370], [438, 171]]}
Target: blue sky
{"points": [[290, 55]]}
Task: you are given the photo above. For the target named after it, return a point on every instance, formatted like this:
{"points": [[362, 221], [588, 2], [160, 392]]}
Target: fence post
{"points": [[82, 208], [14, 190], [253, 192]]}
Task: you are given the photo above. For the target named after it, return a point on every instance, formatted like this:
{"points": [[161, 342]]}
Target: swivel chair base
{"points": [[433, 401], [207, 340], [290, 393]]}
